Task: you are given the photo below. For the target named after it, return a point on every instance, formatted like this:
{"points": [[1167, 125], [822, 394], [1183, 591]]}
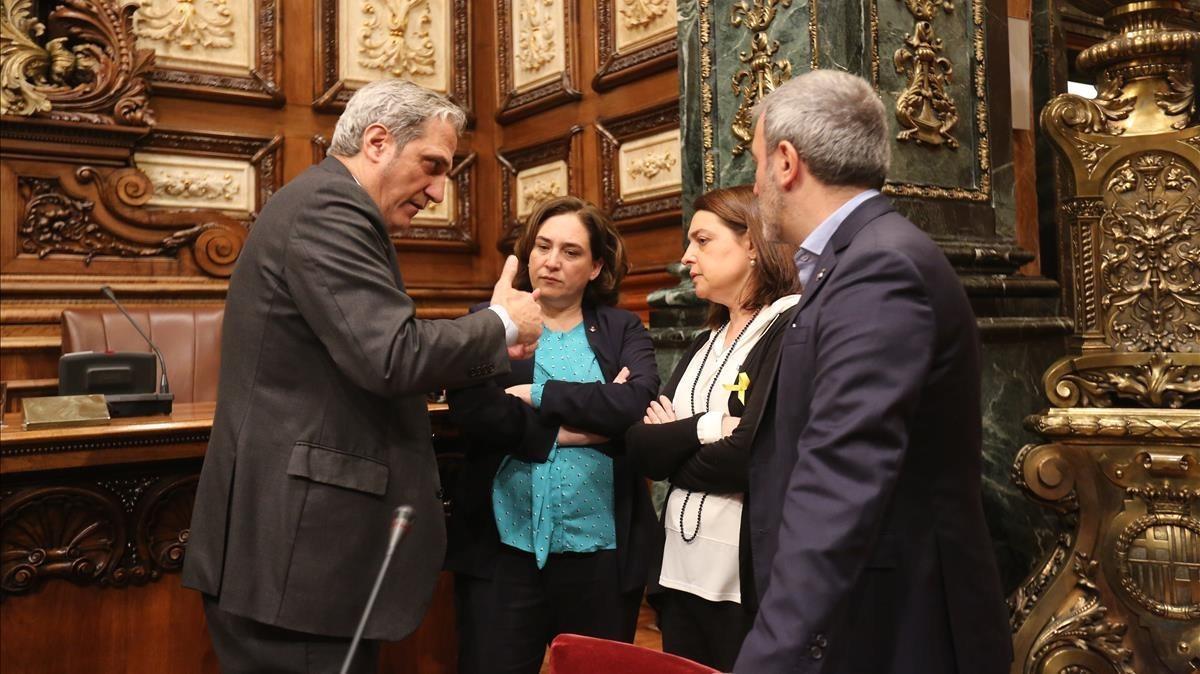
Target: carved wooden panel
{"points": [[538, 59], [633, 38], [425, 41], [534, 173], [640, 166], [211, 156], [213, 48]]}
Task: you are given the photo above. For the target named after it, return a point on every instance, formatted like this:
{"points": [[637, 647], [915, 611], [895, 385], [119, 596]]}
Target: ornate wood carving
{"points": [[259, 85], [90, 71], [94, 211], [512, 161], [617, 65], [163, 520], [516, 103], [613, 132], [264, 153], [394, 52]]}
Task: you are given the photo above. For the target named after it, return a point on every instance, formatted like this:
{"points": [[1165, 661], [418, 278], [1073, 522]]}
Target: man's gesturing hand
{"points": [[522, 307]]}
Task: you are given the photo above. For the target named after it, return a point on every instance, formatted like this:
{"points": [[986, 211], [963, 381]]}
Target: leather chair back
{"points": [[575, 654], [188, 337]]}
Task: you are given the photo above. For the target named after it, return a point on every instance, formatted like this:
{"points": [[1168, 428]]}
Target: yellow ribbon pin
{"points": [[742, 385]]}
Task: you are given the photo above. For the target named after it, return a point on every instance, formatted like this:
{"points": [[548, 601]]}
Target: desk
{"points": [[93, 530]]}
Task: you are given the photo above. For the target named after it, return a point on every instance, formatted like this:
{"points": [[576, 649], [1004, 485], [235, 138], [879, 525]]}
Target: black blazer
{"points": [[672, 451], [871, 553], [495, 424]]}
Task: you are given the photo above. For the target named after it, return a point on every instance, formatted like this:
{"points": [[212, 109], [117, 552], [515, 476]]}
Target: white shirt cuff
{"points": [[708, 427], [510, 328]]}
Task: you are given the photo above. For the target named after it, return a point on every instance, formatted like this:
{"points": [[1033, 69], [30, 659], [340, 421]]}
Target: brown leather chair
{"points": [[188, 337]]}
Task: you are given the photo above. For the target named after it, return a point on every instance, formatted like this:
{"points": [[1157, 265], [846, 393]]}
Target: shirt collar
{"points": [[816, 241]]}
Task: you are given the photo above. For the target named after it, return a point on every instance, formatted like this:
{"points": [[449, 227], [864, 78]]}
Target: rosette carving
{"points": [[93, 72], [59, 532]]}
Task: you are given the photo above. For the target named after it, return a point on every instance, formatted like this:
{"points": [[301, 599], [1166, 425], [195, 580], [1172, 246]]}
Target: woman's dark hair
{"points": [[606, 244], [774, 273]]}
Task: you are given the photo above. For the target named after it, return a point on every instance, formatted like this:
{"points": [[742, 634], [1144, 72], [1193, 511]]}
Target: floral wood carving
{"points": [[761, 75], [642, 13], [196, 186], [164, 521], [186, 22], [58, 532], [659, 209], [92, 72], [404, 46], [536, 34]]}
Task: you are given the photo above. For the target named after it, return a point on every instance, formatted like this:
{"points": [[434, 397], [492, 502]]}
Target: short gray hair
{"points": [[399, 105], [837, 124]]}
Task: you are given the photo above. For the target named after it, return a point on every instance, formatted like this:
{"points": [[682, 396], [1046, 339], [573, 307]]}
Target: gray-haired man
{"points": [[321, 427]]}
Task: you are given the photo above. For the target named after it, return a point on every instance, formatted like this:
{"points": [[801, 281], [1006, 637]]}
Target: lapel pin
{"points": [[591, 328]]}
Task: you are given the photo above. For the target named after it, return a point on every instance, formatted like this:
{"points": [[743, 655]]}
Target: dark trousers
{"points": [[506, 622], [246, 646], [709, 632]]}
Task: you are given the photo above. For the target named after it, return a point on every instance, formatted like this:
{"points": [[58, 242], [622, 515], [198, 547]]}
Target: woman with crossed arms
{"points": [[697, 434]]}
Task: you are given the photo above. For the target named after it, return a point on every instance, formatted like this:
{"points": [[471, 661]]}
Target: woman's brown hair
{"points": [[606, 244], [774, 273]]}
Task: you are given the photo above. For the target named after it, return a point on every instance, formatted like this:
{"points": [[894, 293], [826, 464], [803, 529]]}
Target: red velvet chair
{"points": [[574, 654]]}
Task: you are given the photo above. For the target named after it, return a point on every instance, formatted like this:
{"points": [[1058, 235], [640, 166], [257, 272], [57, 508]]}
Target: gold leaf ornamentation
{"points": [[1150, 258], [640, 14], [924, 109], [762, 75], [186, 23], [536, 40], [404, 47], [26, 65]]}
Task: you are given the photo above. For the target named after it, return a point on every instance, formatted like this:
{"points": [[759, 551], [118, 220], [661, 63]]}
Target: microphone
{"points": [[400, 523], [163, 386]]}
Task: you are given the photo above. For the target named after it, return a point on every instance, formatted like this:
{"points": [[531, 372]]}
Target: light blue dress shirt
{"points": [[814, 244], [566, 503]]}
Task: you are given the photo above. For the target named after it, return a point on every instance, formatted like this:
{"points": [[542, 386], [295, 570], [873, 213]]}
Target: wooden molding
{"points": [[513, 161], [636, 213], [514, 104], [618, 67]]}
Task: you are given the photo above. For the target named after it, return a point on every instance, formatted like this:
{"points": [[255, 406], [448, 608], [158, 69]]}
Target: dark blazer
{"points": [[672, 451], [496, 424], [871, 553], [321, 427]]}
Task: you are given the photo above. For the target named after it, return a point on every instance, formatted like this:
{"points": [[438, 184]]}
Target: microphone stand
{"points": [[400, 523]]}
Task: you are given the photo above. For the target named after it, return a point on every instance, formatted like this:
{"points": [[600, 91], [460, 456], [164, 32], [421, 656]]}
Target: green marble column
{"points": [[951, 174]]}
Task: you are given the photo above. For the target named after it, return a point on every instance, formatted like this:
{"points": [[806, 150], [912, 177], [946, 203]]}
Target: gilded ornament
{"points": [[924, 109], [1081, 635], [1091, 152], [641, 14], [186, 23], [404, 48], [1157, 380], [762, 75], [1150, 259], [1179, 99], [923, 10], [536, 37], [649, 166], [26, 64]]}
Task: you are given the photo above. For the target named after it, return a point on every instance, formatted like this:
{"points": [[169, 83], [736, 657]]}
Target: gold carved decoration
{"points": [[924, 109], [651, 165], [639, 14], [1124, 424], [91, 73], [196, 186], [1150, 258], [707, 135], [536, 37], [186, 22], [761, 75], [404, 47]]}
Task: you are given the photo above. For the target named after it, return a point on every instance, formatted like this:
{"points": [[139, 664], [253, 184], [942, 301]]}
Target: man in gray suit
{"points": [[321, 428]]}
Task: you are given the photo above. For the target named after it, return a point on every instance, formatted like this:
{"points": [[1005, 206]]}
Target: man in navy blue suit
{"points": [[869, 545]]}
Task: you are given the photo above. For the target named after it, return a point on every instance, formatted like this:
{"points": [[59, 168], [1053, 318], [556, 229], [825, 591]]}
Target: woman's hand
{"points": [[622, 376], [659, 412], [522, 391], [573, 437], [729, 423]]}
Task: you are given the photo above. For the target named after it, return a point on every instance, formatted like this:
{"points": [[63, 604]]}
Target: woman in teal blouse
{"points": [[551, 531]]}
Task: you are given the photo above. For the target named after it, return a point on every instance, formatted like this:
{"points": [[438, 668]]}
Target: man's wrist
{"points": [[510, 328]]}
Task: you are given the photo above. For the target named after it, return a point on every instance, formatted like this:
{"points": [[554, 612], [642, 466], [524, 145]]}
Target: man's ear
{"points": [[376, 142], [787, 165]]}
